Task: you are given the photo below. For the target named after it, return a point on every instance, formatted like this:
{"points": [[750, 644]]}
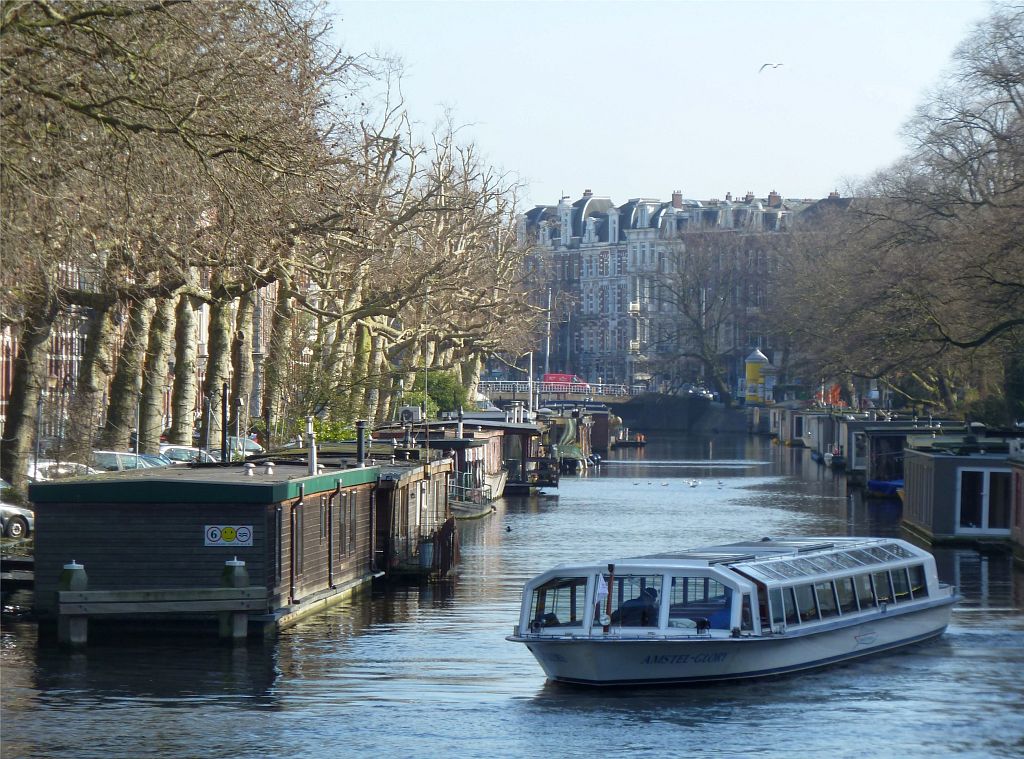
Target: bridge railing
{"points": [[583, 390]]}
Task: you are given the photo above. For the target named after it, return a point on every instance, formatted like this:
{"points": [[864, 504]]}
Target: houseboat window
{"points": [[352, 505], [918, 584], [847, 595], [865, 597], [792, 615], [826, 599], [343, 527], [900, 584], [805, 603], [297, 539], [883, 591], [636, 601], [693, 598], [559, 603], [778, 611]]}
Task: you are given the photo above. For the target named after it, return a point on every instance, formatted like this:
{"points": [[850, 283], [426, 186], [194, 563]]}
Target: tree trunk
{"points": [[125, 399], [183, 394], [469, 374], [241, 358], [360, 374], [217, 370], [277, 359], [22, 408], [377, 375], [154, 377], [95, 370], [946, 392]]}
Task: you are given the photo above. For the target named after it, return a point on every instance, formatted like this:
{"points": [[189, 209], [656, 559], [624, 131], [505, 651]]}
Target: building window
{"points": [[984, 501]]}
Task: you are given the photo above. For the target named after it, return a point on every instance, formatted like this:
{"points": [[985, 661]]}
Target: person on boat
{"points": [[640, 612]]}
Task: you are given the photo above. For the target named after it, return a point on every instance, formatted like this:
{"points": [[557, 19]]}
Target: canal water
{"points": [[426, 671]]}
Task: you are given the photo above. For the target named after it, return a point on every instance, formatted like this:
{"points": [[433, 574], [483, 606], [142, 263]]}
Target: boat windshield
{"points": [[699, 602], [558, 603], [635, 600]]}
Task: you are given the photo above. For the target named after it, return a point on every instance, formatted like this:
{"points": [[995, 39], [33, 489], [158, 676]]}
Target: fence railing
{"points": [[583, 390]]}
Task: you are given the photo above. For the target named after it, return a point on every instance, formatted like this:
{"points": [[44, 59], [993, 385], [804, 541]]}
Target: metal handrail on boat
{"points": [[470, 494]]}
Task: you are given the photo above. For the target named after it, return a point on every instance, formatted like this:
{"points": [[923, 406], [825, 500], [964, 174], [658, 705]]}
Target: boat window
{"points": [[699, 598], [918, 584], [865, 597], [900, 584], [559, 603], [792, 615], [826, 599], [805, 603], [883, 591], [847, 595], [899, 551], [787, 570], [864, 557], [847, 561], [636, 601], [879, 553], [778, 611], [746, 618], [825, 563], [806, 566]]}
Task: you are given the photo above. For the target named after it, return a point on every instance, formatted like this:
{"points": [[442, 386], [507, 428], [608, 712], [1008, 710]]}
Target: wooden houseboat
{"points": [[307, 538], [959, 489]]}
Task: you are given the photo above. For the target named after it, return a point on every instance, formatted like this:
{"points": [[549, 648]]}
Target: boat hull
{"points": [[606, 661]]}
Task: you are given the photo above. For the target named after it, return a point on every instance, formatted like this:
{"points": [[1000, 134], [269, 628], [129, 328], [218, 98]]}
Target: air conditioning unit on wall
{"points": [[410, 414]]}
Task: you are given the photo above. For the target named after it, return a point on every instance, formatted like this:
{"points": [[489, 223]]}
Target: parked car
{"points": [[16, 521], [41, 471], [184, 454], [244, 444], [116, 461]]}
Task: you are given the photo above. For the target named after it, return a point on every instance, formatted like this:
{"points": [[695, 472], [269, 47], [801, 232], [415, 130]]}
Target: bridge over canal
{"points": [[638, 408]]}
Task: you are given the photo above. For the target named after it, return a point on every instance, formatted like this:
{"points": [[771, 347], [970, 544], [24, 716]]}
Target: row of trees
{"points": [[916, 281], [919, 282], [166, 162]]}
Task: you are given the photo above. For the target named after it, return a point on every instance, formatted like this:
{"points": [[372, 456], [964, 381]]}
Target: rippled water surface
{"points": [[425, 671]]}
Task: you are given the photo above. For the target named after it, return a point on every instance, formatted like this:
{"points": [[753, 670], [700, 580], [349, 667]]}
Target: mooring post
{"points": [[234, 624], [72, 629]]}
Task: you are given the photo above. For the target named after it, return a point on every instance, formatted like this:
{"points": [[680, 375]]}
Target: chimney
{"points": [[728, 197], [587, 193], [677, 199], [774, 199], [360, 442], [749, 197]]}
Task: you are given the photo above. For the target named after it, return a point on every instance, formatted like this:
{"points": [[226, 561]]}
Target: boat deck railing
{"points": [[470, 494]]}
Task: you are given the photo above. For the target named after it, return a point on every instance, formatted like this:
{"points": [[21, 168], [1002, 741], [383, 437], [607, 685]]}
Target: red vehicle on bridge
{"points": [[577, 384]]}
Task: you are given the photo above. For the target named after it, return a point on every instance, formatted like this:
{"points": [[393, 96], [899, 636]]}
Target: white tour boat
{"points": [[733, 611]]}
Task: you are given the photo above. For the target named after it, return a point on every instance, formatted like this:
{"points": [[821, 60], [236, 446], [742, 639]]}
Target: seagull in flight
{"points": [[767, 66]]}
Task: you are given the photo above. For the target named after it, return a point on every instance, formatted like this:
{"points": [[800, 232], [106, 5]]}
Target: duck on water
{"points": [[731, 612]]}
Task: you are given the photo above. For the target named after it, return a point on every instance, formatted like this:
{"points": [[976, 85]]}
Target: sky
{"points": [[638, 99]]}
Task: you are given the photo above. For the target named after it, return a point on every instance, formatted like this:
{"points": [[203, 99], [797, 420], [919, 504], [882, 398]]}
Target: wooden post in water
{"points": [[234, 624], [73, 629]]}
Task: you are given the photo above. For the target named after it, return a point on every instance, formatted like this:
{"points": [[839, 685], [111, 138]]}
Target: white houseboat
{"points": [[731, 612]]}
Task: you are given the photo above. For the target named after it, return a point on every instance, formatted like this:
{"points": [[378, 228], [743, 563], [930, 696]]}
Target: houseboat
{"points": [[731, 612]]}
